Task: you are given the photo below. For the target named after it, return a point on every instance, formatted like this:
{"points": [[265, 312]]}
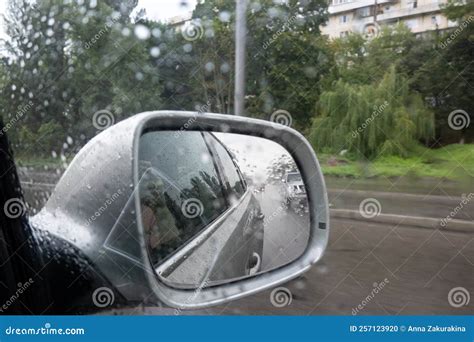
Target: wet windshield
{"points": [[381, 91]]}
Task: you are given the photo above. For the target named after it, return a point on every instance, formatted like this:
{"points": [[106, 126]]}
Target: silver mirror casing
{"points": [[95, 206]]}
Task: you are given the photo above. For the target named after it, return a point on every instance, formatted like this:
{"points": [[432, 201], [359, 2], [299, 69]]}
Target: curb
{"points": [[416, 221], [448, 200]]}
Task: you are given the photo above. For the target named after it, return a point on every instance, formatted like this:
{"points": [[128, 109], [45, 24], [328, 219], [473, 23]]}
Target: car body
{"points": [[294, 190]]}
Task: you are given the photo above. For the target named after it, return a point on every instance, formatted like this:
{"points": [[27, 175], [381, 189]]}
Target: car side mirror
{"points": [[166, 206]]}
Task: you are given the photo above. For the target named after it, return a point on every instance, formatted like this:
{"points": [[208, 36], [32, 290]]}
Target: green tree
{"points": [[446, 78], [369, 120]]}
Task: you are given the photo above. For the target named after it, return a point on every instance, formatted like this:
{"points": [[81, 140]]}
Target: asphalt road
{"points": [[418, 266], [286, 230]]}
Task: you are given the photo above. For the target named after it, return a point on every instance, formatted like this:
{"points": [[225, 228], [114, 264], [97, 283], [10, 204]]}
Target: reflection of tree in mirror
{"points": [[166, 227]]}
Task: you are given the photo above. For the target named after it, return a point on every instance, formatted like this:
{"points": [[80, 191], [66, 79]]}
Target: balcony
{"points": [[349, 6], [407, 12]]}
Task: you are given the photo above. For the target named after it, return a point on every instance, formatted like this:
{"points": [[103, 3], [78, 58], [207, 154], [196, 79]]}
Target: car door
{"points": [[248, 251], [185, 188]]}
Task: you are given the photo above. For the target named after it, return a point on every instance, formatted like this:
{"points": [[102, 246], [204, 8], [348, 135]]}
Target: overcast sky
{"points": [[164, 9], [254, 155]]}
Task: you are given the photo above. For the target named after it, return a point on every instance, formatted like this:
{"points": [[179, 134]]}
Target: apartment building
{"points": [[367, 16]]}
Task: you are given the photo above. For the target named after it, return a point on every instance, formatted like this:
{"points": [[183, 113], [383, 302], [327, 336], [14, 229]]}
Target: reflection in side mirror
{"points": [[217, 207]]}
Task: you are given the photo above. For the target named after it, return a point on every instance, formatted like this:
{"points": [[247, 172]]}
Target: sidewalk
{"points": [[422, 207]]}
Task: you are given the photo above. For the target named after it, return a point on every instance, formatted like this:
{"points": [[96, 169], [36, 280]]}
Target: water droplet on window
{"points": [[142, 32], [209, 66], [155, 51]]}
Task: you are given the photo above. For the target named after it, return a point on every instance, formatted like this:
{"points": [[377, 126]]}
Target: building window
{"points": [[343, 34], [415, 4], [365, 12], [343, 19], [411, 23]]}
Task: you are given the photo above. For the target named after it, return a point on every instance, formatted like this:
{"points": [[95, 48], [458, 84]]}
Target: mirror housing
{"points": [[105, 174]]}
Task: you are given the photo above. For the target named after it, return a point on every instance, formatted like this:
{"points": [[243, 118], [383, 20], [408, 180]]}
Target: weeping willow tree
{"points": [[384, 118]]}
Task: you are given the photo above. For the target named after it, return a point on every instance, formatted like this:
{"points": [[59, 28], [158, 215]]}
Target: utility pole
{"points": [[375, 12], [240, 38]]}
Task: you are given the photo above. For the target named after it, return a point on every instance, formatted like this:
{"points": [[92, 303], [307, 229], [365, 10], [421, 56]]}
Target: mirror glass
{"points": [[216, 207]]}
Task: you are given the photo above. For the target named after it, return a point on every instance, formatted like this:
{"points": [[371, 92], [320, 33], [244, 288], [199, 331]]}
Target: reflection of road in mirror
{"points": [[286, 230]]}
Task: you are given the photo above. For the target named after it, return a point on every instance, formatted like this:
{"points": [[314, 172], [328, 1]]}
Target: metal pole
{"points": [[240, 37], [375, 12]]}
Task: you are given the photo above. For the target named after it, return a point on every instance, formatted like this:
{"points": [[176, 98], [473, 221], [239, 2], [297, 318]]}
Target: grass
{"points": [[40, 162], [453, 162]]}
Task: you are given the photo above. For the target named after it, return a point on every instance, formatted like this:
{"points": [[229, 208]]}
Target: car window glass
{"points": [[180, 192], [232, 179], [293, 177]]}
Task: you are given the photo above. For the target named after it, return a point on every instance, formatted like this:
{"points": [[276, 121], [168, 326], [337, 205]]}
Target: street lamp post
{"points": [[240, 38]]}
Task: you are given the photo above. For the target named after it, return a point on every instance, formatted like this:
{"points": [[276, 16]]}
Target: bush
{"points": [[384, 118]]}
